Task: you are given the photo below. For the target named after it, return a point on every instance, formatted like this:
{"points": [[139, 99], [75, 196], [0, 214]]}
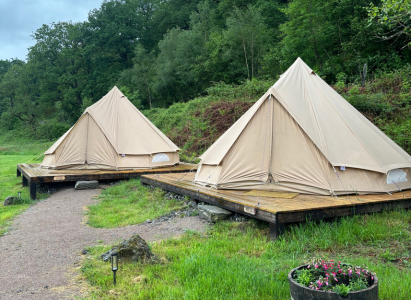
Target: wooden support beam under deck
{"points": [[33, 191], [276, 230], [24, 181]]}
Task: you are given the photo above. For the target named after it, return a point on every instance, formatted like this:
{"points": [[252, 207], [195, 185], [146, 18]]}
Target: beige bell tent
{"points": [[112, 134], [302, 136]]}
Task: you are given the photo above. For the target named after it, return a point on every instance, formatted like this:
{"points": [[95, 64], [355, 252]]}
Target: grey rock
{"points": [[148, 221], [178, 197], [212, 213], [84, 185], [239, 218], [10, 200], [84, 251], [134, 249]]}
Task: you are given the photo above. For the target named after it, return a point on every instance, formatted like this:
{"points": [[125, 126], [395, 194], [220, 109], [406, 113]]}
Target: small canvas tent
{"points": [[302, 136], [112, 134]]}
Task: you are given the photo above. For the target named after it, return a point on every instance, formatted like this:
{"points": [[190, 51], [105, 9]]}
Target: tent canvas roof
{"points": [[342, 134], [125, 127]]}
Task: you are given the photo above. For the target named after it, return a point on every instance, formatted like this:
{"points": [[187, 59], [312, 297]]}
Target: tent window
{"points": [[396, 176], [160, 157]]}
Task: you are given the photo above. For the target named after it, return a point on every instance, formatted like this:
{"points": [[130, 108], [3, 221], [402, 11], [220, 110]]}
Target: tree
{"points": [[176, 66], [248, 28], [18, 101], [333, 37], [61, 65], [396, 15], [236, 53], [112, 32], [141, 76]]}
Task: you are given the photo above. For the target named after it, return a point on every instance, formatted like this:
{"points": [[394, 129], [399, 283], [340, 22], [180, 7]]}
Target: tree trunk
{"points": [[148, 90], [364, 75], [245, 54], [252, 56], [317, 54]]}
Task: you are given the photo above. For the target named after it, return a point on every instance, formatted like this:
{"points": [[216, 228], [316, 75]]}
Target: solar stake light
{"points": [[114, 265], [19, 196]]}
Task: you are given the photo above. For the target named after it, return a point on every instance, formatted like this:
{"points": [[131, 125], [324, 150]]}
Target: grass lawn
{"points": [[10, 185], [129, 203], [238, 261]]}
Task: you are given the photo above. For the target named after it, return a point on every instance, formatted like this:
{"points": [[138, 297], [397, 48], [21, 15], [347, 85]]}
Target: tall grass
{"points": [[27, 148]]}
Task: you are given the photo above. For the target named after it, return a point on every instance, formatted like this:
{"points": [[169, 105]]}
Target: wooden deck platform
{"points": [[34, 174], [278, 211]]}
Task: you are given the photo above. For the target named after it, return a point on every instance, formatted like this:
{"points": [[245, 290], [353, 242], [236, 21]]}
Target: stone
{"points": [[84, 251], [134, 249], [84, 185], [212, 213], [10, 200]]}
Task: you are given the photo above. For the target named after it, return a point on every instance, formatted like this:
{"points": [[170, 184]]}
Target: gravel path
{"points": [[38, 254]]}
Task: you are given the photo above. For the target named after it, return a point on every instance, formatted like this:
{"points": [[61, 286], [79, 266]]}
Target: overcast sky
{"points": [[20, 18]]}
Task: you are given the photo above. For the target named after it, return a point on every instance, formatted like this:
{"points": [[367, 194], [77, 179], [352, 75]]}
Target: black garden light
{"points": [[114, 265]]}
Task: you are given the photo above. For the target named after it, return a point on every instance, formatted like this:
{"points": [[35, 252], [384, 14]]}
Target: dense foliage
{"points": [[165, 52]]}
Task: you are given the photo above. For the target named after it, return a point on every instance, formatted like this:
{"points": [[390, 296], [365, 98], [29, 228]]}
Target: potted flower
{"points": [[321, 279]]}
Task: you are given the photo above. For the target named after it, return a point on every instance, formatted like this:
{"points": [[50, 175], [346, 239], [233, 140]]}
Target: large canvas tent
{"points": [[112, 134], [302, 136]]}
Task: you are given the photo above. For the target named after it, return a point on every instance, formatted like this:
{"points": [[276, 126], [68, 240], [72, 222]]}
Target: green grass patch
{"points": [[128, 202], [34, 149], [10, 185], [238, 261]]}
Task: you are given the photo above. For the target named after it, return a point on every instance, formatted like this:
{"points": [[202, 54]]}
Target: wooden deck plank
{"points": [[300, 202], [35, 174], [285, 210]]}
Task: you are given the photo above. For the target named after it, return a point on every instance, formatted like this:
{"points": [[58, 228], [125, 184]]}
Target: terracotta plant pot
{"points": [[300, 292]]}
